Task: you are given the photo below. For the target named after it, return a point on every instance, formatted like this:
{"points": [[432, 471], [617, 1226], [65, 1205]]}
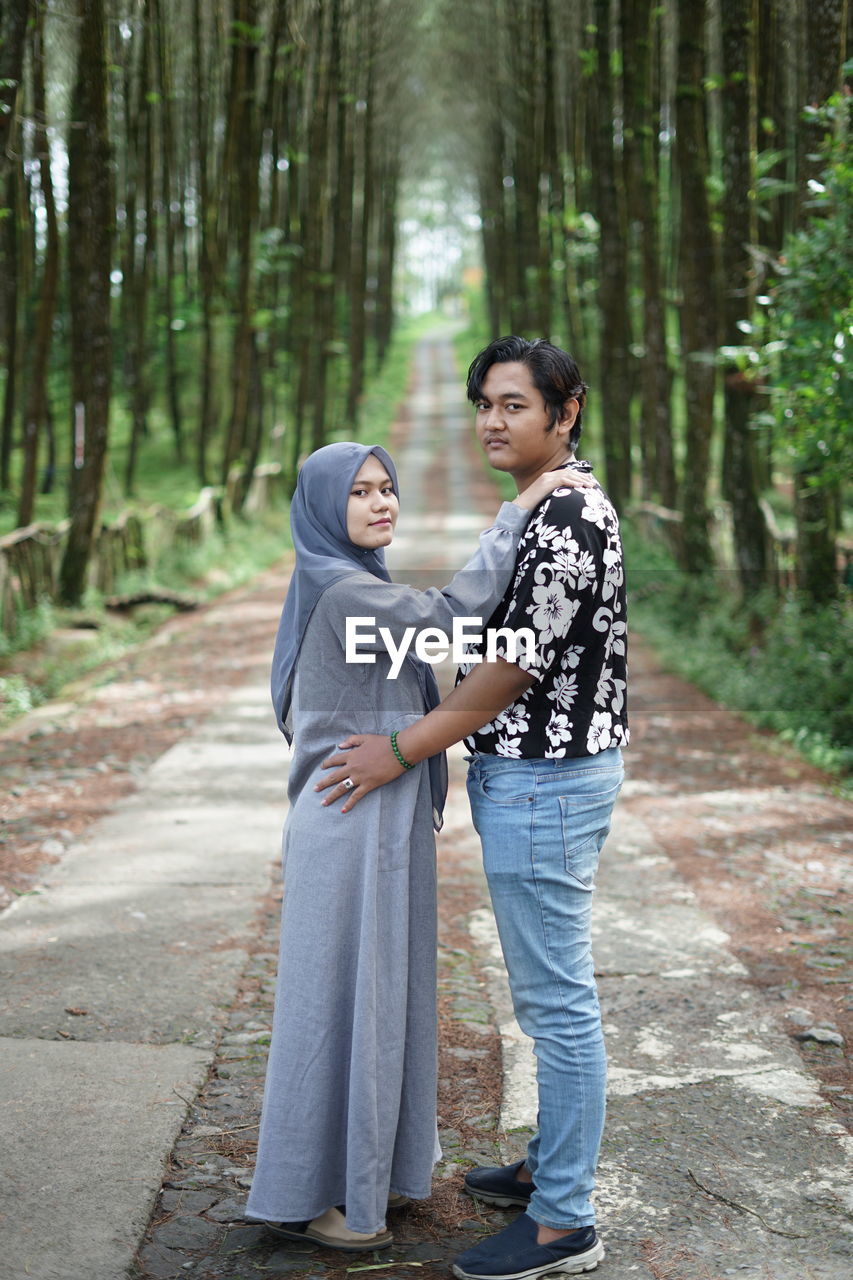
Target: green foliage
{"points": [[769, 187], [16, 698], [33, 626], [51, 645], [808, 349], [785, 668]]}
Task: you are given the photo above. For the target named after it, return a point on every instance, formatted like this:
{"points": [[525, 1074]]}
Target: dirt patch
{"points": [[71, 761]]}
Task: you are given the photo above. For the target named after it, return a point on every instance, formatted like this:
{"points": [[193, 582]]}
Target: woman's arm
{"points": [[369, 760], [473, 592]]}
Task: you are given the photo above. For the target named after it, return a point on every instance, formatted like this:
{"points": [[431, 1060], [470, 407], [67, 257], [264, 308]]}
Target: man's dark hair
{"points": [[554, 372]]}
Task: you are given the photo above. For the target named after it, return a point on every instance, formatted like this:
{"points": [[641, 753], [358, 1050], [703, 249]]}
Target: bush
{"points": [[785, 667]]}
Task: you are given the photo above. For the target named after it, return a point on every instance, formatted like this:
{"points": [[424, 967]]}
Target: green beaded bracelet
{"points": [[398, 753]]}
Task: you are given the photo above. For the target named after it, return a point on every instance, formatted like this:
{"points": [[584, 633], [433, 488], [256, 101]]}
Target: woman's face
{"points": [[373, 507]]}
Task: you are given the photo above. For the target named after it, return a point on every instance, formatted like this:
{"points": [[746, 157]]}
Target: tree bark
{"points": [[387, 247], [243, 148], [775, 116], [139, 256], [167, 165], [613, 378], [90, 222], [13, 25], [698, 276], [37, 408], [639, 42], [826, 51], [206, 241], [741, 468], [362, 217], [815, 507]]}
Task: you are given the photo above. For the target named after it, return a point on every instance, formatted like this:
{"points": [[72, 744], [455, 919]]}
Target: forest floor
{"points": [[755, 840]]}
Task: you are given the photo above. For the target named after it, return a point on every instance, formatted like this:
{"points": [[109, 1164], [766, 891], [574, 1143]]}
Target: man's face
{"points": [[512, 424]]}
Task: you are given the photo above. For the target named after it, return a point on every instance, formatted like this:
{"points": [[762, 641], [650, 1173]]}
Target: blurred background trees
{"points": [[252, 154], [687, 142], [202, 207]]}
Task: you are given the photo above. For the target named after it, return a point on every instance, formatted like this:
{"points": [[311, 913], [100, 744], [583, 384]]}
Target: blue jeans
{"points": [[542, 824]]}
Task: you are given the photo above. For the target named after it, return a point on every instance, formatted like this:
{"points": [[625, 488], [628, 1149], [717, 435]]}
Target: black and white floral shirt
{"points": [[569, 590]]}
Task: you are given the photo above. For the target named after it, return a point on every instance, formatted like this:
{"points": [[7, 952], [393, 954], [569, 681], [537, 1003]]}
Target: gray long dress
{"points": [[349, 1111]]}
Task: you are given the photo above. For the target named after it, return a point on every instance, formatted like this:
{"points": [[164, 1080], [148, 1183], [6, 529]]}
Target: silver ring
{"points": [[348, 784]]}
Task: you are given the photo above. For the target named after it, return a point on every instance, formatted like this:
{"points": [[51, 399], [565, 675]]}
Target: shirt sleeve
{"points": [[473, 592], [559, 570]]}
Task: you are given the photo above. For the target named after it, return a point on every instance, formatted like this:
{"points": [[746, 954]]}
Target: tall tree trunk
{"points": [[10, 295], [167, 164], [634, 35], [531, 300], [491, 220], [206, 234], [362, 209], [816, 506], [312, 310], [13, 24], [90, 220], [740, 233], [639, 36], [698, 275], [140, 245], [37, 408], [614, 378], [274, 220], [387, 248], [318, 232], [243, 202], [773, 75], [826, 51]]}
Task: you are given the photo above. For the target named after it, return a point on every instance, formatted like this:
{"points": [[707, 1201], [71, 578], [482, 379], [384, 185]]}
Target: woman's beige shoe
{"points": [[331, 1231], [398, 1202]]}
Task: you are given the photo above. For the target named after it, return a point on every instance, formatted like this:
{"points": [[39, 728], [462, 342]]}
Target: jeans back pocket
{"points": [[585, 814]]}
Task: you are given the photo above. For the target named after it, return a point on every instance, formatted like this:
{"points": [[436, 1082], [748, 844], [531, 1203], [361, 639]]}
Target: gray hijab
{"points": [[324, 555]]}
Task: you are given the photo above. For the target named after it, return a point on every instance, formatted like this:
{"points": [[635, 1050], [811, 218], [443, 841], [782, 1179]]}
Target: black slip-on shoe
{"points": [[514, 1254], [499, 1186]]}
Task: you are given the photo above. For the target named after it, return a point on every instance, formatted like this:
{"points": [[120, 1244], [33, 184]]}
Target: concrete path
{"points": [[135, 949], [720, 1156]]}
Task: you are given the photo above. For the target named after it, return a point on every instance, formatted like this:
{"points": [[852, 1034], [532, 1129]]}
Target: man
{"points": [[545, 729]]}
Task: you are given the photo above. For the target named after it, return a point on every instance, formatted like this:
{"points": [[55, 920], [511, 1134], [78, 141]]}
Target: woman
{"points": [[348, 1126]]}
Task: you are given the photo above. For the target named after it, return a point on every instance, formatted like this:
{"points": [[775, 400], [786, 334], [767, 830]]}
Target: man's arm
{"points": [[369, 760]]}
